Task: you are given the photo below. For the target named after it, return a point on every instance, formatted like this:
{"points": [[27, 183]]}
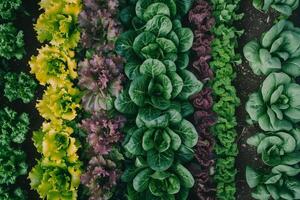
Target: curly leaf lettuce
{"points": [[8, 8], [59, 103], [53, 66], [19, 86], [11, 42], [55, 181], [59, 25]]}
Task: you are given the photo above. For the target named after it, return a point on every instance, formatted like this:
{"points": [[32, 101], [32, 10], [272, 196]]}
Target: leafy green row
{"points": [[57, 174], [13, 132], [276, 108], [14, 126], [223, 62], [158, 140]]}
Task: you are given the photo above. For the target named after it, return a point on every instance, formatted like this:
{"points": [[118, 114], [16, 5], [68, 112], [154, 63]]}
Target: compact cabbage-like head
{"points": [[278, 50], [276, 106], [284, 7], [278, 183], [278, 147]]}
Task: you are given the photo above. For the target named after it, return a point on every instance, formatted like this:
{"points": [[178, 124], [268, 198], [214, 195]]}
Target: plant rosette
{"points": [[276, 106], [53, 66], [277, 148], [285, 7], [55, 180], [279, 183], [278, 50], [150, 184], [59, 103], [11, 42], [58, 24]]}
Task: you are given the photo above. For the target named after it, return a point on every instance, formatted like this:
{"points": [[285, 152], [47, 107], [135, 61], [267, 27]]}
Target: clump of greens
{"points": [[280, 182], [58, 23], [14, 127], [156, 48], [278, 50], [11, 42], [276, 106], [277, 147], [13, 131], [19, 86], [285, 7], [8, 8], [224, 59]]}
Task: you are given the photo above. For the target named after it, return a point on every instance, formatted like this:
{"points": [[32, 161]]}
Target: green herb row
{"points": [[159, 141], [224, 59]]}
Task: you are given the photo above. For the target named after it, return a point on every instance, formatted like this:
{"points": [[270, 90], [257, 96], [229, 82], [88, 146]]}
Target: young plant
{"points": [[279, 183], [8, 8], [19, 86], [278, 50], [276, 106], [277, 148], [11, 42], [285, 7]]}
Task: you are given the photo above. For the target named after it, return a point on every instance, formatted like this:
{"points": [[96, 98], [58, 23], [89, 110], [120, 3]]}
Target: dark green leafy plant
{"points": [[15, 194], [278, 148], [8, 8], [12, 165], [279, 183], [11, 42], [285, 7], [276, 106], [19, 86], [278, 50], [14, 127]]}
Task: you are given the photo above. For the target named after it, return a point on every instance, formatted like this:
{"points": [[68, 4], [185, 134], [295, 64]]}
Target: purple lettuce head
{"points": [[99, 24], [103, 133], [102, 79], [100, 177]]}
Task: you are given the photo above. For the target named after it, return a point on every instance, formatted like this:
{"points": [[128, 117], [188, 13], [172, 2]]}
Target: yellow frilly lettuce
{"points": [[55, 181], [53, 65], [58, 25], [55, 143], [59, 103]]}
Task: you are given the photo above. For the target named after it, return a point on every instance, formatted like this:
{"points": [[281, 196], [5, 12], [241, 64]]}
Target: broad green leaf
{"points": [[152, 68], [124, 104], [160, 161], [186, 38], [253, 178], [191, 85], [187, 133], [138, 90], [142, 179]]}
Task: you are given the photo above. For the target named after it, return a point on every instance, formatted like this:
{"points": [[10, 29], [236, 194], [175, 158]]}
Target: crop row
{"points": [[57, 174], [276, 109], [13, 86]]}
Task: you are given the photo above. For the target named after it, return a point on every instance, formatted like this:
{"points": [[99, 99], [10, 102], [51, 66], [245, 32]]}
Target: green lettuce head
{"points": [[158, 184], [276, 106], [278, 50], [163, 134], [278, 147], [8, 8], [157, 83], [11, 42], [279, 183], [285, 7]]}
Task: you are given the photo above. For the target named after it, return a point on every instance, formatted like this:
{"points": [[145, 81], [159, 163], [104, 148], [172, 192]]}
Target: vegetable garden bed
{"points": [[148, 105]]}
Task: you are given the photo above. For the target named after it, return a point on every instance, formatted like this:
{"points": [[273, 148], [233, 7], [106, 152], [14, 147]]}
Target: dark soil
{"points": [[254, 23]]}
